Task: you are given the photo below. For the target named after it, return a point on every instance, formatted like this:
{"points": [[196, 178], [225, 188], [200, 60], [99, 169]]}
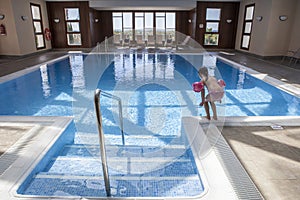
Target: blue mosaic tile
{"points": [[61, 187], [119, 188], [93, 167], [124, 151]]}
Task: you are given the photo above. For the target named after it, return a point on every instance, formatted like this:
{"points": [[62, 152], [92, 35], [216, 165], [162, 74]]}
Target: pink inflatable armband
{"points": [[198, 86], [221, 83]]}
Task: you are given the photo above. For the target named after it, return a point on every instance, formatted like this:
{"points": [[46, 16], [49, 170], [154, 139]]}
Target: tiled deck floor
{"points": [[274, 67], [9, 135], [271, 158]]}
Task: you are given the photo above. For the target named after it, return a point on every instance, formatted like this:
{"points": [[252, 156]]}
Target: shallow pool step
{"points": [[135, 171], [122, 166], [54, 185], [126, 151], [116, 139]]}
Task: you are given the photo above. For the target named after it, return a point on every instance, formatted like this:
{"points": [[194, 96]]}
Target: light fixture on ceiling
{"points": [[189, 20], [96, 20], [2, 16]]}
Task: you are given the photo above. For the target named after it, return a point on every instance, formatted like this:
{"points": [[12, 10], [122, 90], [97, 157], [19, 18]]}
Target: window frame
{"points": [[212, 21], [244, 25], [168, 30], [41, 23], [72, 32], [120, 18], [145, 30], [166, 36], [129, 29]]}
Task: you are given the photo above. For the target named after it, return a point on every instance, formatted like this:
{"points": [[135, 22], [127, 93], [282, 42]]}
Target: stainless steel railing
{"points": [[98, 92]]}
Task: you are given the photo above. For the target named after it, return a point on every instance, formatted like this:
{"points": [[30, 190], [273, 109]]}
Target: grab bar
{"points": [[98, 92], [106, 94]]}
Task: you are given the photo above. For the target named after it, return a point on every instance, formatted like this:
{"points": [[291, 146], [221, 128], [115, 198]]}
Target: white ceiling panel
{"points": [[143, 4]]}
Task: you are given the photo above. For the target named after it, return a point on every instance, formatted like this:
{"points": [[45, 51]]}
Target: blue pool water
{"points": [[156, 92], [49, 91], [249, 96]]}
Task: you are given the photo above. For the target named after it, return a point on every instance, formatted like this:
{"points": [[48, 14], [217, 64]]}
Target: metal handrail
{"points": [[106, 94], [98, 92]]}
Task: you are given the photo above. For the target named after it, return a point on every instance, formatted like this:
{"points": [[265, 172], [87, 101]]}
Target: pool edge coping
{"points": [[265, 121], [35, 143], [286, 87], [30, 69]]}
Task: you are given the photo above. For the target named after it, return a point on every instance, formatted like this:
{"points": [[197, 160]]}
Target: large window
{"points": [[127, 25], [143, 23], [165, 26], [170, 25], [37, 26], [122, 26], [118, 26], [149, 24], [211, 36], [247, 26], [139, 22], [72, 18], [160, 19]]}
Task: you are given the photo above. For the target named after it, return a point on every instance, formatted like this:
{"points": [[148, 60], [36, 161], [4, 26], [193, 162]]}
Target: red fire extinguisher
{"points": [[2, 29]]}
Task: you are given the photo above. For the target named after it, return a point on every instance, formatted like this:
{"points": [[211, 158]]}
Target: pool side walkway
{"points": [[270, 156], [283, 71], [11, 64]]}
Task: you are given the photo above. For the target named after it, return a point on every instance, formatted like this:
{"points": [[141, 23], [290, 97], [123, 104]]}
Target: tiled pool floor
{"points": [[134, 170]]}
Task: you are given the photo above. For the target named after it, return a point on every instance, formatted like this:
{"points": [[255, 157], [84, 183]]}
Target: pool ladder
{"points": [[97, 95]]}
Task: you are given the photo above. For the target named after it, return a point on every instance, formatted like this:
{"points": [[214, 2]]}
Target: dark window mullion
{"points": [[244, 26], [208, 21], [73, 32], [212, 33], [40, 20], [213, 21]]}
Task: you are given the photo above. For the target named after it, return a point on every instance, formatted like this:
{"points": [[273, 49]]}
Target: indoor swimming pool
{"points": [[49, 90], [157, 159]]}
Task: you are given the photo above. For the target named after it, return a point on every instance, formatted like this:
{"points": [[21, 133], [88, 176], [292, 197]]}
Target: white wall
{"points": [[279, 32], [295, 34], [20, 38], [260, 28], [269, 37]]}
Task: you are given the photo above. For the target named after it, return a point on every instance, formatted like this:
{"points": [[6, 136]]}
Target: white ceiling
{"points": [[143, 4]]}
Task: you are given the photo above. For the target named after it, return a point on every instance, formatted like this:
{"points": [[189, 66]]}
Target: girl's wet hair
{"points": [[203, 71]]}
